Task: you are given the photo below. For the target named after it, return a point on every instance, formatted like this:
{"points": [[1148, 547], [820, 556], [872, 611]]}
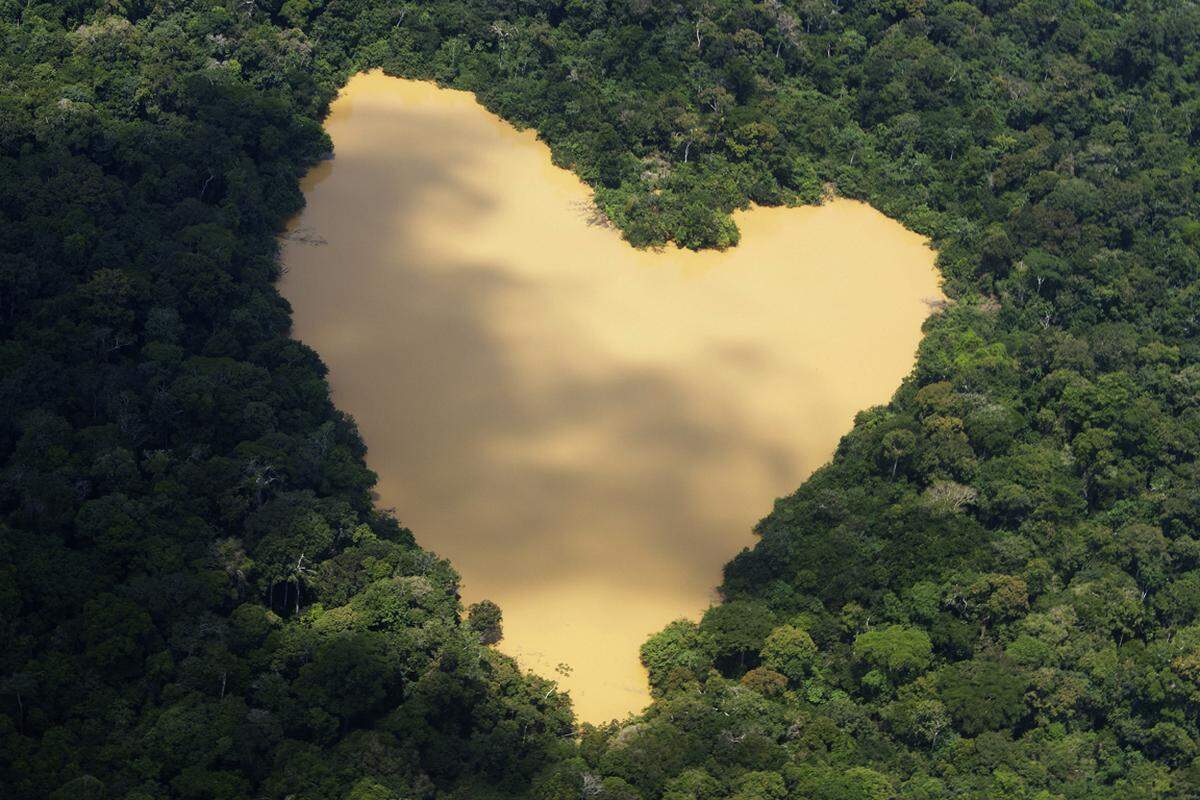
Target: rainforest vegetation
{"points": [[993, 591]]}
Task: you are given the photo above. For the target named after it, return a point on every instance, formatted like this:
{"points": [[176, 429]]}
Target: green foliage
{"points": [[983, 695], [789, 651], [678, 653], [898, 650], [486, 620], [992, 587], [737, 631]]}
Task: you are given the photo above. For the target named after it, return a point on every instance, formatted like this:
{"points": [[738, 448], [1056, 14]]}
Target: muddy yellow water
{"points": [[588, 431]]}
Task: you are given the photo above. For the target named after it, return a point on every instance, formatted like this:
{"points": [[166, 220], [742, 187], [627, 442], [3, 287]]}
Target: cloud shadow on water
{"points": [[507, 429], [453, 426]]}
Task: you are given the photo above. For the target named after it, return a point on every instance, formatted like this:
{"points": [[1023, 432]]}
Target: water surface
{"points": [[587, 431]]}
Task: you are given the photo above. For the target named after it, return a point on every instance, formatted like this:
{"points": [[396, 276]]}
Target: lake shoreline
{"points": [[587, 431]]}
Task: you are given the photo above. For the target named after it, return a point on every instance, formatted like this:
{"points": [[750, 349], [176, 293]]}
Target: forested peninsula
{"points": [[992, 591]]}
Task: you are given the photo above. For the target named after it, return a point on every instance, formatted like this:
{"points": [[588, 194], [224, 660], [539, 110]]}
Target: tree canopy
{"points": [[990, 592]]}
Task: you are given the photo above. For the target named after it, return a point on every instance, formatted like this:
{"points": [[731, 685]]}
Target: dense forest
{"points": [[993, 591]]}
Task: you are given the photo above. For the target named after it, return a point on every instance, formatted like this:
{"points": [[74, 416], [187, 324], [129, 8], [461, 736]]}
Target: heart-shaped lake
{"points": [[587, 431]]}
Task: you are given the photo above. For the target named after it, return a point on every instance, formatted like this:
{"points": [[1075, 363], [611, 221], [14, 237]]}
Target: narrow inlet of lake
{"points": [[586, 430]]}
